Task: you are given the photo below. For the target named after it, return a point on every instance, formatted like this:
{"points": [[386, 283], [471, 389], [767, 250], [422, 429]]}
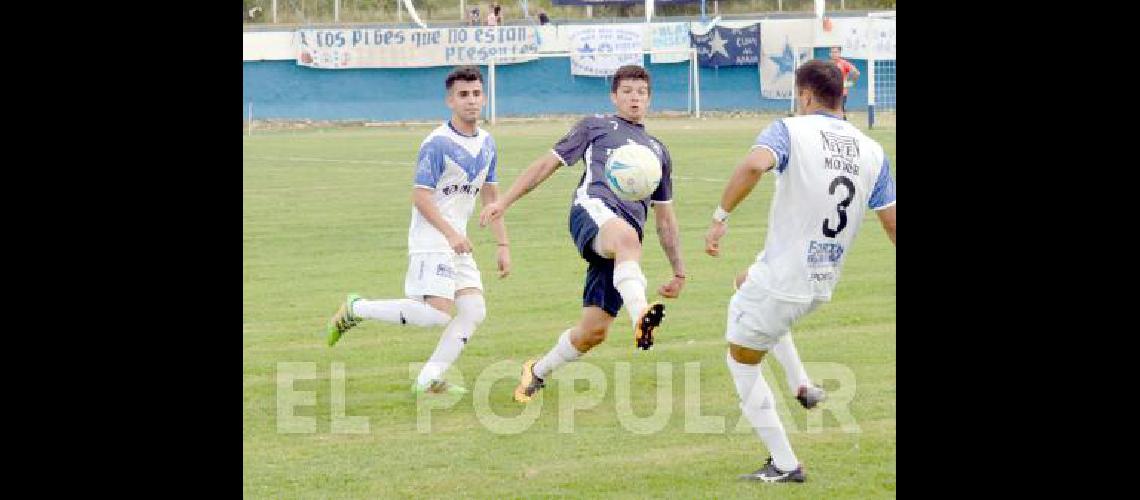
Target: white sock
{"points": [[789, 358], [759, 407], [562, 353], [630, 283], [469, 312], [400, 311]]}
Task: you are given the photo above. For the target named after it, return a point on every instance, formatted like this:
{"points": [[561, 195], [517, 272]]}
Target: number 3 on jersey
{"points": [[841, 207]]}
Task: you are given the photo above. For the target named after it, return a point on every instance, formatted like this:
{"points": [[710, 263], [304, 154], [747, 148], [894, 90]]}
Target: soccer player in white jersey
{"points": [[828, 174], [606, 229], [456, 162]]}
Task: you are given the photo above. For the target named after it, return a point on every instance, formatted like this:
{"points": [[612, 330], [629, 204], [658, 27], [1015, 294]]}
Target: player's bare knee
{"points": [[592, 339], [593, 335], [744, 355], [627, 247], [621, 240]]}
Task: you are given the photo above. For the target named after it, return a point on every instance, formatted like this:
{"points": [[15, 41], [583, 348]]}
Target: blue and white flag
{"points": [[728, 47]]}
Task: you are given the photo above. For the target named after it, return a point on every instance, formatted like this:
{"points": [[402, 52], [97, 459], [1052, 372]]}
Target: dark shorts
{"points": [[599, 287]]}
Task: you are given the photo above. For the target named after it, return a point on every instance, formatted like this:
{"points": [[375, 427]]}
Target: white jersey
{"points": [[827, 174], [455, 166]]}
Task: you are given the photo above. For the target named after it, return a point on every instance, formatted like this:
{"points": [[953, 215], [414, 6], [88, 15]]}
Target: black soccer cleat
{"points": [[811, 395], [770, 474], [649, 320]]}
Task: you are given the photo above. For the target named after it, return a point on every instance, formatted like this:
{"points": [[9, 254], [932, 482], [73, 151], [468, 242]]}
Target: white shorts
{"points": [[758, 321], [440, 274]]}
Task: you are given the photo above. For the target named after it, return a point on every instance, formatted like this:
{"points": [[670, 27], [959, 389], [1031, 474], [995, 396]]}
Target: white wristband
{"points": [[720, 215]]}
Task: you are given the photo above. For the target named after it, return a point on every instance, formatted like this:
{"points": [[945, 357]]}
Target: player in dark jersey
{"points": [[607, 230]]}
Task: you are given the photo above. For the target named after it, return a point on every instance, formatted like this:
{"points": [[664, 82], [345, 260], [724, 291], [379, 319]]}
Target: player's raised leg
{"points": [[397, 311], [617, 240]]}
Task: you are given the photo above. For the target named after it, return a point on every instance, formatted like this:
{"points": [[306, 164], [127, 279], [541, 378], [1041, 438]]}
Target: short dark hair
{"points": [[630, 72], [824, 80], [465, 73]]}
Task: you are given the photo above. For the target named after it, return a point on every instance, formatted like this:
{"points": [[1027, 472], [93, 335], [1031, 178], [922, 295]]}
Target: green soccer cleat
{"points": [[343, 320]]}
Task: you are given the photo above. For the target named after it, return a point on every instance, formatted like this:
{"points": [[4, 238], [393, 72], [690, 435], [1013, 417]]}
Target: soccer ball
{"points": [[633, 172]]}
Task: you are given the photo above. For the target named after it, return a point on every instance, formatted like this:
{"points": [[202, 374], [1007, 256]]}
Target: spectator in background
{"points": [[542, 17], [494, 18], [850, 74], [473, 17]]}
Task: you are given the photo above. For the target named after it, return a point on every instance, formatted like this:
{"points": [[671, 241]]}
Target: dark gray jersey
{"points": [[593, 139]]}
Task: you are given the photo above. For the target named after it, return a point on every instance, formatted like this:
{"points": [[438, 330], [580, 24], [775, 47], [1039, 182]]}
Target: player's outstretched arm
{"points": [[490, 193], [668, 235], [887, 219], [744, 178], [422, 198], [535, 174]]}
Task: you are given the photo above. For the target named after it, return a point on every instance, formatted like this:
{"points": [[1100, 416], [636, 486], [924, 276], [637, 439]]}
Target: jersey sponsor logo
{"points": [[840, 152], [824, 253], [840, 144], [841, 164], [821, 277], [460, 189]]}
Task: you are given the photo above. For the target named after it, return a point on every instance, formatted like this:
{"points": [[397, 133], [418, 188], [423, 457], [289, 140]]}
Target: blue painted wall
{"points": [[282, 89]]}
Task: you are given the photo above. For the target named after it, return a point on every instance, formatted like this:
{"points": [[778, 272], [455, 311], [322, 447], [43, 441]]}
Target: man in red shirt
{"points": [[848, 69]]}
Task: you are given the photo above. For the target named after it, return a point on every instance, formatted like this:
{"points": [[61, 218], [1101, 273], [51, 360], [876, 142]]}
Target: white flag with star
{"points": [[599, 50], [782, 44]]}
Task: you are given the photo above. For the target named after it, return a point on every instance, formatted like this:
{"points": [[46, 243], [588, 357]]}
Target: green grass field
{"points": [[326, 212]]}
